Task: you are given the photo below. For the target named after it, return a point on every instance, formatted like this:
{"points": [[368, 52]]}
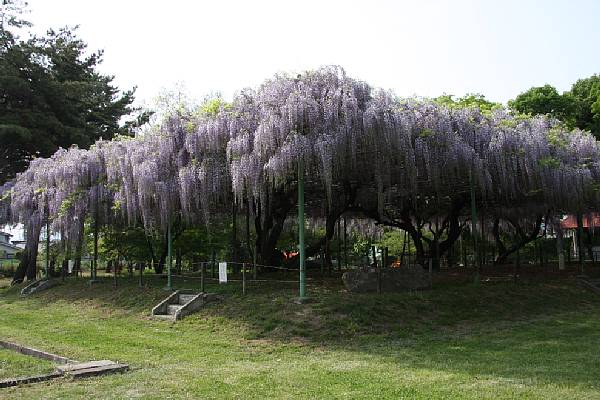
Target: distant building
{"points": [[591, 225], [8, 250]]}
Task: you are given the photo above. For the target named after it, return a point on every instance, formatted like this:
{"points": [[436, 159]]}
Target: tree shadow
{"points": [[545, 332]]}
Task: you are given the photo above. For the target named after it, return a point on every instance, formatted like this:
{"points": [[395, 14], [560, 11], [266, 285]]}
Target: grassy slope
{"points": [[497, 341], [15, 365]]}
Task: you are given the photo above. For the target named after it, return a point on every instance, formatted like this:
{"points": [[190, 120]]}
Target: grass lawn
{"points": [[459, 341], [15, 365]]}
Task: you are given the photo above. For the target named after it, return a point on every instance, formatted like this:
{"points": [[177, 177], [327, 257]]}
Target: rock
{"points": [[364, 280]]}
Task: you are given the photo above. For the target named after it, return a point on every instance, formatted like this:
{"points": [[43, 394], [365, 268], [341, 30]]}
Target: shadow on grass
{"points": [[547, 332]]}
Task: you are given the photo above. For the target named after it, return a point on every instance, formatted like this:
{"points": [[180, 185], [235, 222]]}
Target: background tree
{"points": [[586, 98], [467, 101], [545, 100], [579, 107], [51, 94]]}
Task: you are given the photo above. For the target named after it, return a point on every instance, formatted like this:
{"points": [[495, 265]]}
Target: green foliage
{"points": [[426, 133], [579, 107], [549, 162], [212, 106], [393, 239], [131, 244], [201, 240], [69, 201], [468, 101], [586, 96], [556, 138], [545, 100], [360, 245]]}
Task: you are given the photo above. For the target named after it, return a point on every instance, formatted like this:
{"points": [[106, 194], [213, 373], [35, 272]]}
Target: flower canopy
{"points": [[395, 151]]}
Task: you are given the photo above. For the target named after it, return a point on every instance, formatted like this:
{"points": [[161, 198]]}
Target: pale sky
{"points": [[497, 48], [427, 48]]}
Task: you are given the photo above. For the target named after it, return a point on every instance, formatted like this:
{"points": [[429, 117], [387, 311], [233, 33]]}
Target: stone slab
{"points": [[84, 365], [99, 370]]}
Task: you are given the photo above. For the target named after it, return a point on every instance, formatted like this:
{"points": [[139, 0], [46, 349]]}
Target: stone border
{"points": [[588, 284], [10, 382], [30, 351], [70, 368], [38, 286]]}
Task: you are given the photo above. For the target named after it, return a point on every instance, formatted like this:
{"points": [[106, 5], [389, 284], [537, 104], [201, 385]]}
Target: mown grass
{"points": [[507, 340], [15, 365]]}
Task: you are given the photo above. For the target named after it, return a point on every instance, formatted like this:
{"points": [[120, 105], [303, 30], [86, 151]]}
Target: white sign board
{"points": [[222, 272], [70, 266]]}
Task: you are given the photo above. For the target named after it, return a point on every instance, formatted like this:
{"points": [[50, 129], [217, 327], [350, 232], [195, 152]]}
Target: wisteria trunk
{"points": [[269, 223], [521, 240], [28, 266], [323, 243]]}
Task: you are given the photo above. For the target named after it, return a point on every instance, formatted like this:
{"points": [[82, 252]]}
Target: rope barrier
{"points": [[235, 280], [237, 263]]}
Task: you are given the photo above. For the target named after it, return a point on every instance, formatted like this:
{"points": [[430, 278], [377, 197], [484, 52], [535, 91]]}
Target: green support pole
{"points": [[339, 243], [474, 225], [301, 223], [380, 266], [345, 244], [254, 267], [202, 272], [169, 257], [213, 263], [580, 250], [141, 267], [94, 269], [46, 273]]}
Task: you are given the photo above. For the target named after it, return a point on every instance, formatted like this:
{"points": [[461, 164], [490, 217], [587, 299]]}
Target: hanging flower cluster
{"points": [[396, 150]]}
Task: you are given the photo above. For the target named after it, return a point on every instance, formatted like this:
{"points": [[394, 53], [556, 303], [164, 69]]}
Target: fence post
{"points": [[374, 256], [580, 250], [244, 279], [212, 265], [517, 265], [386, 257], [378, 278], [47, 269], [339, 243], [476, 252], [169, 257], [431, 272], [345, 244], [202, 268], [141, 267], [115, 266], [301, 224]]}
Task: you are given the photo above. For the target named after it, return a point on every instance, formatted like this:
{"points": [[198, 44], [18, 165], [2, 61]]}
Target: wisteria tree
{"points": [[412, 164]]}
